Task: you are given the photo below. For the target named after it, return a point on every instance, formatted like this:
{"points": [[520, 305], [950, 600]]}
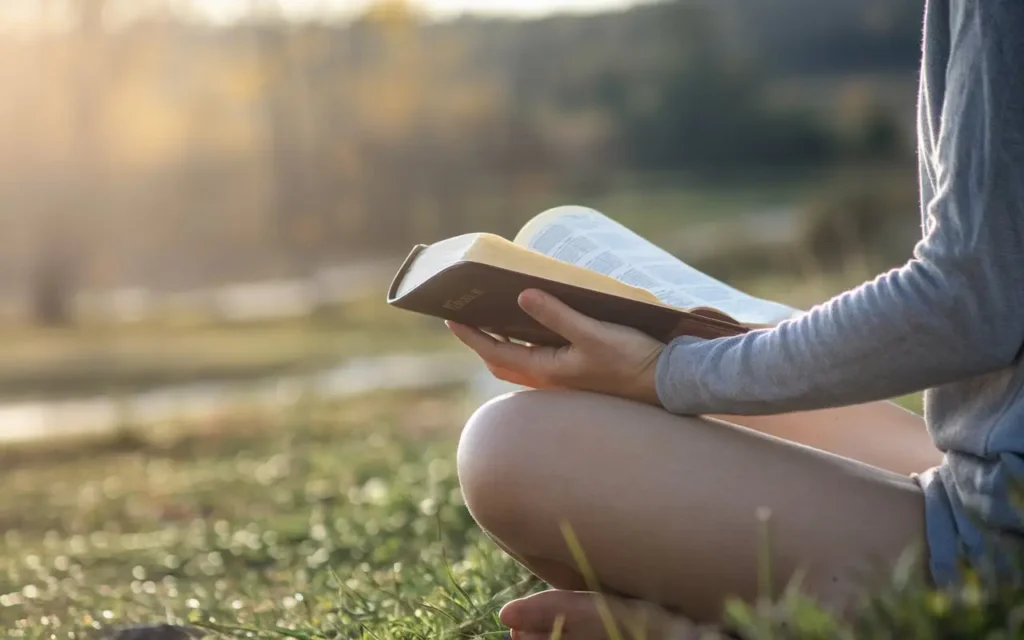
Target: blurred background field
{"points": [[204, 200]]}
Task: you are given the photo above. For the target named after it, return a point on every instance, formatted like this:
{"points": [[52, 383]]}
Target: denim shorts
{"points": [[958, 539]]}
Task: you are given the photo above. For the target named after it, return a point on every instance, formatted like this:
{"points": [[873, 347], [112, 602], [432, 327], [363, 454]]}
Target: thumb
{"points": [[558, 316]]}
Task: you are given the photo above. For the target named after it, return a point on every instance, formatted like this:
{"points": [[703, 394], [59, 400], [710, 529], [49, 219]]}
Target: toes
{"points": [[539, 612], [585, 615]]}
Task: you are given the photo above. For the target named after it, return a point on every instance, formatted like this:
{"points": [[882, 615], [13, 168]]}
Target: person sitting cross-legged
{"points": [[658, 456]]}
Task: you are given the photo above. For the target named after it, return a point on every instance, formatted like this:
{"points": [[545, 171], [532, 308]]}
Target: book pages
{"points": [[586, 238]]}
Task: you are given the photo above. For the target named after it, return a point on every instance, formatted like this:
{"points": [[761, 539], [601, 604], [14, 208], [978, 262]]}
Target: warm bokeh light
{"points": [[144, 150], [27, 16]]}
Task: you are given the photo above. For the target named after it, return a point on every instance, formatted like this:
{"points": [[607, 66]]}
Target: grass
{"points": [[326, 521], [94, 358]]}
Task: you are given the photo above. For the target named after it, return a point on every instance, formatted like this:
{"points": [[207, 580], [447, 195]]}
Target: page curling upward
{"points": [[587, 238]]}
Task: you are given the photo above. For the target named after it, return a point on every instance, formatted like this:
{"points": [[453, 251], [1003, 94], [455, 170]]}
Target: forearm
{"points": [[883, 340]]}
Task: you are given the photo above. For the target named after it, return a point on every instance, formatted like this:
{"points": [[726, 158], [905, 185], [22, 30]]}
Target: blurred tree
{"points": [[882, 138], [792, 37], [868, 131], [60, 243], [705, 111], [291, 172], [433, 139], [274, 146]]}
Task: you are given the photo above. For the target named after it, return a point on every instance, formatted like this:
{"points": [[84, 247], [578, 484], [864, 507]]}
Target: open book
{"points": [[592, 263]]}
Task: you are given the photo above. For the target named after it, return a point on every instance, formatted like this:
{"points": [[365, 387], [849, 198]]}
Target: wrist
{"points": [[647, 382]]}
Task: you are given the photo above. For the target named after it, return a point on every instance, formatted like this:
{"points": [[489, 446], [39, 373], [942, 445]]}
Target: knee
{"points": [[495, 453]]}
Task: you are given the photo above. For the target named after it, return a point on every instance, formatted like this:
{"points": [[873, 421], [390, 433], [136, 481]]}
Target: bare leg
{"points": [[882, 434], [664, 506]]}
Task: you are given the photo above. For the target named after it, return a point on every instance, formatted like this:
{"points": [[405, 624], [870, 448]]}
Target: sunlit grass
{"points": [[94, 358], [325, 520], [333, 521]]}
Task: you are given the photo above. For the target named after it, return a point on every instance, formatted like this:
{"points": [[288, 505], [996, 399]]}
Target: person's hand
{"points": [[600, 357]]}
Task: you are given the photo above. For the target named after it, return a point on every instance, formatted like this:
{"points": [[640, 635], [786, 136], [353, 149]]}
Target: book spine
{"points": [[396, 282]]}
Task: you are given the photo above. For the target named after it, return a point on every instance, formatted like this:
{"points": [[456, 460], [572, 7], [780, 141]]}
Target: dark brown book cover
{"points": [[486, 297]]}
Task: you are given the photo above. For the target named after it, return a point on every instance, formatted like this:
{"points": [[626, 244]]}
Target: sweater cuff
{"points": [[675, 377]]}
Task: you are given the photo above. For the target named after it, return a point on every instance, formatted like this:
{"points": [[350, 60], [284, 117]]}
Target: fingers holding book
{"points": [[600, 357], [508, 361]]}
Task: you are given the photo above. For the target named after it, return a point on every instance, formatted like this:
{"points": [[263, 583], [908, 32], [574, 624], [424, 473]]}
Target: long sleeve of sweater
{"points": [[953, 311]]}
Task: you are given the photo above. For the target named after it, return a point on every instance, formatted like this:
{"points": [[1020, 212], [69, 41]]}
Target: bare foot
{"points": [[535, 617]]}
